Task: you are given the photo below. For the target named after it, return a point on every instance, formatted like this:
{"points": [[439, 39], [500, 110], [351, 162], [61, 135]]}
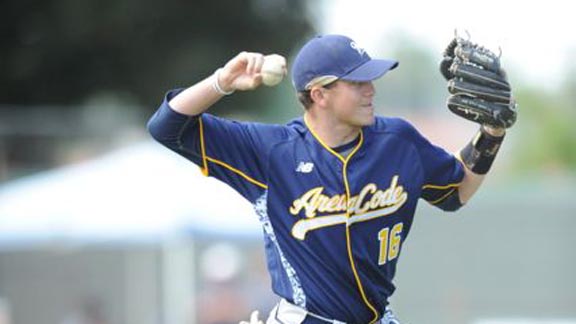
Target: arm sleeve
{"points": [[233, 152]]}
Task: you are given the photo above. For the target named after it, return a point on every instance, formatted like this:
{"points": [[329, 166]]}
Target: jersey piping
{"points": [[206, 158], [347, 188], [202, 147], [451, 185], [439, 200]]}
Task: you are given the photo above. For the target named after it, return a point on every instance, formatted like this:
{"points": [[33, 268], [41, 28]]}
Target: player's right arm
{"points": [[240, 73], [234, 152]]}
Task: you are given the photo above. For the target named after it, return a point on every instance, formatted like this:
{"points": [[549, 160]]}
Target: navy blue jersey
{"points": [[334, 226]]}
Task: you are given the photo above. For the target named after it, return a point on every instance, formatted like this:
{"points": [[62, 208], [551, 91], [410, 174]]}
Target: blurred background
{"points": [[98, 224]]}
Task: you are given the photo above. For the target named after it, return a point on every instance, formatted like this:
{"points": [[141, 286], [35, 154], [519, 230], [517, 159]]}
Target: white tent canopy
{"points": [[143, 192]]}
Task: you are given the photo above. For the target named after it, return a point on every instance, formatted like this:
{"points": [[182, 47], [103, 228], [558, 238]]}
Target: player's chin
{"points": [[370, 121], [367, 117], [365, 121]]}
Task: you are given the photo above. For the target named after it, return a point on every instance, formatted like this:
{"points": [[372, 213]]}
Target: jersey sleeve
{"points": [[233, 152], [443, 173]]}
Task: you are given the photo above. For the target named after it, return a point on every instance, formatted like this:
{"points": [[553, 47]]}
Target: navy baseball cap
{"points": [[325, 59]]}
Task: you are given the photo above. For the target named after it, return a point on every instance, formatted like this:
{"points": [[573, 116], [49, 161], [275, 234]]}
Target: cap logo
{"points": [[357, 48]]}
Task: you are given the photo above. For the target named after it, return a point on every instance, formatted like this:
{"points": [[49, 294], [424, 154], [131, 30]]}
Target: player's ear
{"points": [[317, 94]]}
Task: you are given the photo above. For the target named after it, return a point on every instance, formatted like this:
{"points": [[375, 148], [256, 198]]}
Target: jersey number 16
{"points": [[389, 243]]}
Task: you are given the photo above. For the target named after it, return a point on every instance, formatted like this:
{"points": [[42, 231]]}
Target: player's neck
{"points": [[332, 133]]}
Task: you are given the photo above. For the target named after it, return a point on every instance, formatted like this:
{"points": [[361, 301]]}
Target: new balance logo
{"points": [[305, 167]]}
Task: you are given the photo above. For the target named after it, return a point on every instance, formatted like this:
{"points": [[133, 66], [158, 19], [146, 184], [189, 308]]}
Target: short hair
{"points": [[305, 98]]}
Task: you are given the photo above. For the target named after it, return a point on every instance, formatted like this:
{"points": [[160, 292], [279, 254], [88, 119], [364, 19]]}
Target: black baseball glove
{"points": [[479, 88]]}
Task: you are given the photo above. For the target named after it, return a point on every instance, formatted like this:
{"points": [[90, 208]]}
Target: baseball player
{"points": [[336, 189]]}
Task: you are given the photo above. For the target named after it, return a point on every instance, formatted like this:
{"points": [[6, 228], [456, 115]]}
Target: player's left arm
{"points": [[477, 159], [480, 92], [474, 161]]}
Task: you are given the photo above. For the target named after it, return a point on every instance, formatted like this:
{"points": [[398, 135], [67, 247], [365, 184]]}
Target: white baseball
{"points": [[273, 69]]}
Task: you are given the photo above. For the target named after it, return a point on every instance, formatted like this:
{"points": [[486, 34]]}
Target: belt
{"points": [[287, 313]]}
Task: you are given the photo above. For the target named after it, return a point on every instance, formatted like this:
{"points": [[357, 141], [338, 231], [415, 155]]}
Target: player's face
{"points": [[351, 102]]}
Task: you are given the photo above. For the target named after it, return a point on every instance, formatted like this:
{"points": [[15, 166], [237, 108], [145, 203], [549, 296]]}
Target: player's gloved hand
{"points": [[253, 319], [479, 88], [242, 72]]}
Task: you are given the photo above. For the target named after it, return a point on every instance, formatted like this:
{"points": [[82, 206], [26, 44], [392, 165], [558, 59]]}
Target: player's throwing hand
{"points": [[242, 72]]}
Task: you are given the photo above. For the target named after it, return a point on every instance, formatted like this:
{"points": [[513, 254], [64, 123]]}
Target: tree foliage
{"points": [[546, 128], [60, 52]]}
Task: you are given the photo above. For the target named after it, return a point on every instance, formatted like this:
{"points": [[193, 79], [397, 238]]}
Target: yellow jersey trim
{"points": [[204, 167], [206, 158], [347, 187], [348, 242], [328, 148], [443, 197], [451, 185], [240, 173]]}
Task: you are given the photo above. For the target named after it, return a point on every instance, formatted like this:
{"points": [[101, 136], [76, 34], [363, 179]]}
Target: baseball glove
{"points": [[479, 88]]}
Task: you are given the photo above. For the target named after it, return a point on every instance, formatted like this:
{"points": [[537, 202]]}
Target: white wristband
{"points": [[216, 86]]}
